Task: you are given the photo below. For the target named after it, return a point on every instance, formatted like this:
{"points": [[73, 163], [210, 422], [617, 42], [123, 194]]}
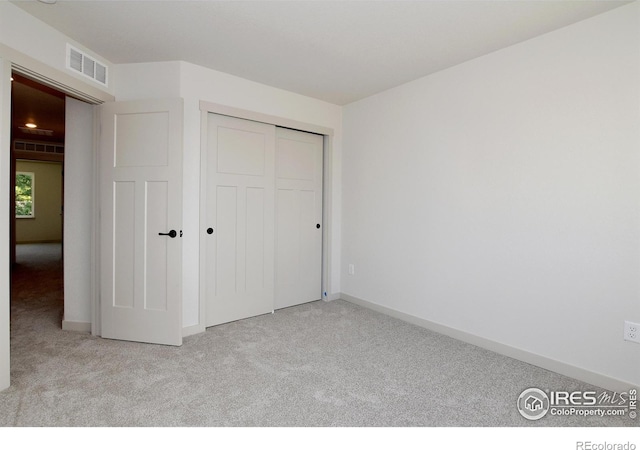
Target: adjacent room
{"points": [[37, 157], [395, 213]]}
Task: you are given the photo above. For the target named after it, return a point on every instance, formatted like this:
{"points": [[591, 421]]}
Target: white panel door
{"points": [[237, 226], [298, 217], [140, 220]]}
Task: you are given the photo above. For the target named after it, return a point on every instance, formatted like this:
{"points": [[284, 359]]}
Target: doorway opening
{"points": [[36, 208]]}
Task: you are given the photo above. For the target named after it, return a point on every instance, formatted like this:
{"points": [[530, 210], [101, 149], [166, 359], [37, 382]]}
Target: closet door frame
{"points": [[327, 230]]}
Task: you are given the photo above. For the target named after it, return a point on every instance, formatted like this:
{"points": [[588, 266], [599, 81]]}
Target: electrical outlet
{"points": [[631, 331], [352, 269]]}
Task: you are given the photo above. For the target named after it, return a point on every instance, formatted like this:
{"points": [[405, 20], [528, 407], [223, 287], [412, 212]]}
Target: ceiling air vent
{"points": [[86, 65]]}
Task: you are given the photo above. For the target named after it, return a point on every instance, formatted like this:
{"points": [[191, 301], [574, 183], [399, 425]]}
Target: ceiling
{"points": [[337, 51], [35, 103]]}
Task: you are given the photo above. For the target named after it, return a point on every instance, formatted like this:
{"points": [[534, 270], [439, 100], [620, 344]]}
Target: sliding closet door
{"points": [[238, 219], [298, 217]]}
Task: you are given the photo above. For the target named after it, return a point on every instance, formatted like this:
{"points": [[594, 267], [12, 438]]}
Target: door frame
{"points": [[327, 183], [13, 60]]}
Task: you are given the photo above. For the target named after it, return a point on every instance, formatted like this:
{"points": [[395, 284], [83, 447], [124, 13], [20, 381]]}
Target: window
{"points": [[25, 189]]}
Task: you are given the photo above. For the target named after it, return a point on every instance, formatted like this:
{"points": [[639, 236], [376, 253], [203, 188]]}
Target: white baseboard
{"points": [[579, 373], [83, 327], [332, 297], [193, 329]]}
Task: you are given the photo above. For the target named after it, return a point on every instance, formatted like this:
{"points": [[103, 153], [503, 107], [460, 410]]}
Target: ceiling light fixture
{"points": [[31, 125]]}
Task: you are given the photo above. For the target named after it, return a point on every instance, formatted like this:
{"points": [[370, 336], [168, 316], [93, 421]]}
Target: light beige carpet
{"points": [[319, 364]]}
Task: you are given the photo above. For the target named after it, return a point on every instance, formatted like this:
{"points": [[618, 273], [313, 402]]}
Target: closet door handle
{"points": [[209, 230], [171, 234]]}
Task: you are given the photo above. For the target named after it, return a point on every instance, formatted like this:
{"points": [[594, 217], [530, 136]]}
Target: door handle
{"points": [[171, 234], [209, 230]]}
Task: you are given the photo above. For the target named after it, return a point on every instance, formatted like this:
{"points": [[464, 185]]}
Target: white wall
{"points": [[79, 176], [195, 83], [146, 80], [500, 197]]}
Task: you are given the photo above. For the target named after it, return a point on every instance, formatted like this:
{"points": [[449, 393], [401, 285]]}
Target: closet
{"points": [[261, 218]]}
